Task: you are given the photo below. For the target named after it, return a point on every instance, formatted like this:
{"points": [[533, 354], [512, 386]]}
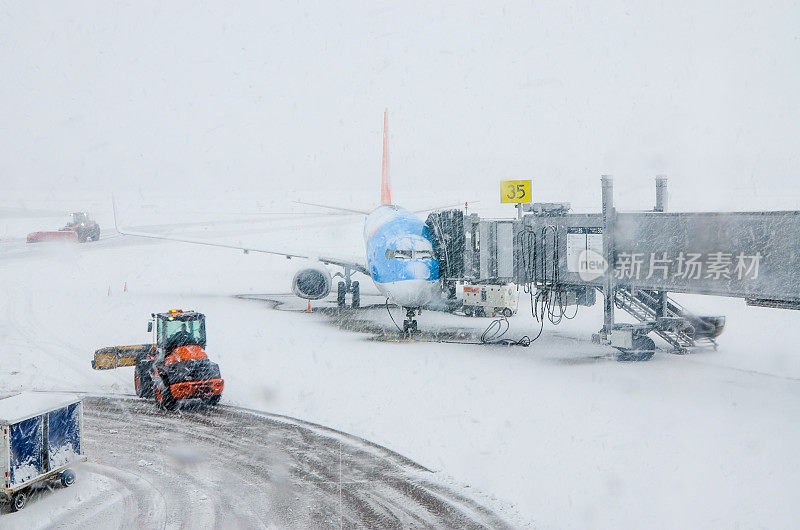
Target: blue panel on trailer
{"points": [[63, 435], [26, 450]]}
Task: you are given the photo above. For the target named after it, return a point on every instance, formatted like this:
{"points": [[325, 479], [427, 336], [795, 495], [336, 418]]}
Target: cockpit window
{"points": [[392, 253]]}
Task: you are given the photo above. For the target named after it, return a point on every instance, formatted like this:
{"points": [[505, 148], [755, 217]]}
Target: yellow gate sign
{"points": [[515, 191]]}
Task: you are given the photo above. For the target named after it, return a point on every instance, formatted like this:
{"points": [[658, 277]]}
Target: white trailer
{"points": [[41, 439], [489, 299]]}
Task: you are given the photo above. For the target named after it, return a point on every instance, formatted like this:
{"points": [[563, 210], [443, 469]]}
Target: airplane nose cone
{"points": [[418, 269], [411, 293]]}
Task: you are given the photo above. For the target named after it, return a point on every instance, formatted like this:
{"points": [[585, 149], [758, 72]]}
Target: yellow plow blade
{"points": [[116, 356]]}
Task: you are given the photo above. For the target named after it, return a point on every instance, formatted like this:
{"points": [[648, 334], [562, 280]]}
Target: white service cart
{"points": [[41, 437]]}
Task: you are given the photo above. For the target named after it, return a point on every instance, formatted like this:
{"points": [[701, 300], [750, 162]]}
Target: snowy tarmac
{"points": [[226, 467]]}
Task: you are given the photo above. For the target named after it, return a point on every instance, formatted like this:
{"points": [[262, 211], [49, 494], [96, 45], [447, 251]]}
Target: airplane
{"points": [[399, 255]]}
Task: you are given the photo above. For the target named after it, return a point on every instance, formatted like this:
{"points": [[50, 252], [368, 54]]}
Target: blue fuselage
{"points": [[400, 256]]}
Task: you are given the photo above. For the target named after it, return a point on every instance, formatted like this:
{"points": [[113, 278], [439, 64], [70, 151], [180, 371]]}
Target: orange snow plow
{"points": [[55, 235], [81, 228], [175, 367]]}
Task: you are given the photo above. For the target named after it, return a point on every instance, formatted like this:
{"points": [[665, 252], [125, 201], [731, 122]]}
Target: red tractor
{"points": [[175, 367], [80, 228]]}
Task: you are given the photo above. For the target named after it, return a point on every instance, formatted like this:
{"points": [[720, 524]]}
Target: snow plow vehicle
{"points": [[175, 367], [80, 228]]}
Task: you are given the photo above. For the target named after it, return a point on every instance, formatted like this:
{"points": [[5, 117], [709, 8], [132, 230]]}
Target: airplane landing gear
{"points": [[410, 324], [348, 286]]}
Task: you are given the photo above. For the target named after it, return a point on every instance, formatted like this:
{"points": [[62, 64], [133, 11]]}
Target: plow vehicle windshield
{"points": [[175, 333]]}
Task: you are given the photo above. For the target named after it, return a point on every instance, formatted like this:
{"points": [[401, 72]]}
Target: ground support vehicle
{"points": [[489, 299], [175, 366], [80, 228], [41, 439]]}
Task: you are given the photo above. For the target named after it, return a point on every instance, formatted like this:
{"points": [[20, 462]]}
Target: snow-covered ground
{"points": [[555, 435], [208, 120], [227, 467]]}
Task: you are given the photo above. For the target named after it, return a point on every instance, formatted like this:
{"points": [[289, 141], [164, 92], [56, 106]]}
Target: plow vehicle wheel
{"points": [[142, 383], [211, 400], [165, 399], [67, 478], [19, 499], [168, 401]]}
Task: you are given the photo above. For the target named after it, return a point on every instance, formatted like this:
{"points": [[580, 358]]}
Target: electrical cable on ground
{"points": [[489, 336], [390, 316], [493, 335]]}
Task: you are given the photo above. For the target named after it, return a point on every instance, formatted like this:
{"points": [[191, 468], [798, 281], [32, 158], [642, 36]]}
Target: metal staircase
{"points": [[670, 320]]}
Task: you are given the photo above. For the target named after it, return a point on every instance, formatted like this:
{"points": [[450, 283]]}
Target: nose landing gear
{"points": [[410, 324]]}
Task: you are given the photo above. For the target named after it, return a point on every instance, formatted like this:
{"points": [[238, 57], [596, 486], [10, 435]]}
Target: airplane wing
{"points": [[444, 207], [246, 249], [345, 210]]}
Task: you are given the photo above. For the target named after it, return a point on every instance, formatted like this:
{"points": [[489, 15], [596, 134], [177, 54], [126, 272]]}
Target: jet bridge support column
{"points": [[661, 193], [608, 252], [661, 206]]}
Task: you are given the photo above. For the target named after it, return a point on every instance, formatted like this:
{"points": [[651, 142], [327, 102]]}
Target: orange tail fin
{"points": [[386, 193]]}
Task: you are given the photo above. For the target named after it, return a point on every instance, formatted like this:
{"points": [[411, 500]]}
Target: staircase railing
{"points": [[670, 321]]}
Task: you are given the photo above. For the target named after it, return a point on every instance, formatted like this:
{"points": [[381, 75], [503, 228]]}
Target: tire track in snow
{"points": [[46, 346], [226, 467]]}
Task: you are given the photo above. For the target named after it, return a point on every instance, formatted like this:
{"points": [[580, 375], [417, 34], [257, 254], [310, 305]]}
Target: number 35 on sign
{"points": [[515, 191]]}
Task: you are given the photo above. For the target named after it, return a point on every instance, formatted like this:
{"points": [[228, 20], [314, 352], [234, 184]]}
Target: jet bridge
{"points": [[635, 259]]}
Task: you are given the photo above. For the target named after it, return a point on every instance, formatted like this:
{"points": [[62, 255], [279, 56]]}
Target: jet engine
{"points": [[312, 283]]}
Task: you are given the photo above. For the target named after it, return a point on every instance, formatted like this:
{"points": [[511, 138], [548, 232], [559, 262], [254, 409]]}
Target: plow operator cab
{"points": [[176, 367], [85, 228]]}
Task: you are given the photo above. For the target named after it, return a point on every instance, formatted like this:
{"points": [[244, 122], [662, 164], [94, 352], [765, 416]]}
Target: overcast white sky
{"points": [[275, 98]]}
